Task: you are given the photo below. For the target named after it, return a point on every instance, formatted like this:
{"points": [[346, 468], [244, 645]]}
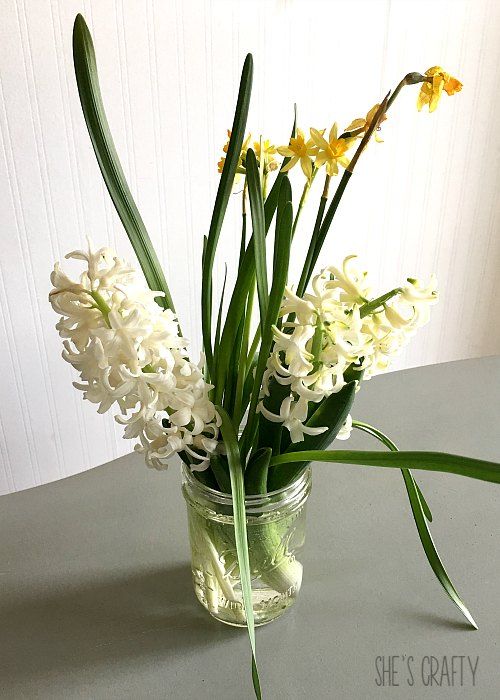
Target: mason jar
{"points": [[276, 532]]}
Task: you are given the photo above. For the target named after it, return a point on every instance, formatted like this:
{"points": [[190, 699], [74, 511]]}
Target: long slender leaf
{"points": [[283, 239], [240, 530], [427, 461], [376, 433], [233, 374], [259, 233], [244, 280], [242, 358], [417, 506], [219, 314], [221, 201], [109, 163]]}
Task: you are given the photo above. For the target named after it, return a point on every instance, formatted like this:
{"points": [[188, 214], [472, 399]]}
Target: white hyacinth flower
{"points": [[129, 353], [332, 333]]}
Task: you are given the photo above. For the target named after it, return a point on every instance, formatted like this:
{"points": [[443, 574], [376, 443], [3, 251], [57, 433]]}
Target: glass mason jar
{"points": [[276, 533]]}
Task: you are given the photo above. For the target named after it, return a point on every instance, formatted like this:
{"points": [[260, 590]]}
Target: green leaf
{"points": [[283, 239], [240, 530], [241, 365], [221, 202], [109, 163], [244, 281], [427, 461], [230, 388], [425, 507], [259, 233], [332, 413], [219, 314], [419, 514], [243, 237], [221, 472], [256, 471], [267, 429]]}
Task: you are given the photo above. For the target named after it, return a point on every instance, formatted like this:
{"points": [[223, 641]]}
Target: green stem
{"points": [[102, 306], [375, 304], [302, 200], [253, 349], [307, 268], [317, 343], [409, 79]]}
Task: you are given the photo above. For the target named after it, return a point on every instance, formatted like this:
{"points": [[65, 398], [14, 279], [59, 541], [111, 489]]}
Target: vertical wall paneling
{"points": [[423, 201]]}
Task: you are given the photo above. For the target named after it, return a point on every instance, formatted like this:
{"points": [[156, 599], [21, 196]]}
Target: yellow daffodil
{"points": [[244, 148], [331, 152], [268, 151], [299, 150], [430, 92], [361, 125]]}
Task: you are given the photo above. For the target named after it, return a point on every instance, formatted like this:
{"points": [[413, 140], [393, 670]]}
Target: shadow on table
{"points": [[432, 621], [151, 613]]}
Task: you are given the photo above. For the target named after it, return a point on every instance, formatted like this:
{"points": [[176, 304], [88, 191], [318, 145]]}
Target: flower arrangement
{"points": [[267, 398]]}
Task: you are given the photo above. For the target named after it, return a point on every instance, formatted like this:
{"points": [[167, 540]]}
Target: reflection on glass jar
{"points": [[276, 532]]}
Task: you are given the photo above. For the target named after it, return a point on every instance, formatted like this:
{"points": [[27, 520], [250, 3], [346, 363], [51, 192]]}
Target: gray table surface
{"points": [[96, 599]]}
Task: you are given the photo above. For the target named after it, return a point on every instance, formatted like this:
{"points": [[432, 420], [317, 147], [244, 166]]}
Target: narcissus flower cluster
{"points": [[129, 352], [335, 329], [317, 151]]}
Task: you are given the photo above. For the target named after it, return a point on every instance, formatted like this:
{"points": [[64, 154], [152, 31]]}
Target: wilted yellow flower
{"points": [[362, 125], [331, 152], [299, 150], [430, 92], [268, 151]]}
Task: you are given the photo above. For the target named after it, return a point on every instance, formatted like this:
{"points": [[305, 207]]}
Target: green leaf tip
{"points": [[109, 163], [420, 511]]}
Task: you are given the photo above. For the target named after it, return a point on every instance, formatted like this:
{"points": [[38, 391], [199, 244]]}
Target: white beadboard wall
{"points": [[425, 200]]}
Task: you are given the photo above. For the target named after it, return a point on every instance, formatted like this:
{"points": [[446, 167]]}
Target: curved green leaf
{"points": [[236, 473], [417, 506], [109, 163], [427, 461]]}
